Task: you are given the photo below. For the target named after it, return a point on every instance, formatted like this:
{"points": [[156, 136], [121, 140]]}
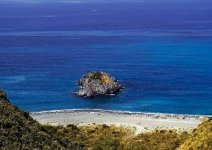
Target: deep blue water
{"points": [[160, 50]]}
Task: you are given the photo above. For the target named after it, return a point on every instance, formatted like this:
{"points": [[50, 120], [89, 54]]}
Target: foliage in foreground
{"points": [[103, 137], [19, 131], [201, 138]]}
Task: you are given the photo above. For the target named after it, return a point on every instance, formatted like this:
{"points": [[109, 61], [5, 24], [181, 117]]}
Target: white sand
{"points": [[140, 121]]}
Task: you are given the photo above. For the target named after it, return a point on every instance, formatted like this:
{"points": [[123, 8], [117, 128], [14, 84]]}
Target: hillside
{"points": [[19, 131], [200, 139]]}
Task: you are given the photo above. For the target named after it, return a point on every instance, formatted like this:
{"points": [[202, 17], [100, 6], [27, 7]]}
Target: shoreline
{"points": [[149, 114], [140, 121]]}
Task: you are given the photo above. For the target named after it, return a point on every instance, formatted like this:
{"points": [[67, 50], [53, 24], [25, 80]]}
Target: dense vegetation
{"points": [[201, 138], [103, 137], [19, 131]]}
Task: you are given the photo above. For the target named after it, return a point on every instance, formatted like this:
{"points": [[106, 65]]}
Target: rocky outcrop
{"points": [[98, 83], [3, 95]]}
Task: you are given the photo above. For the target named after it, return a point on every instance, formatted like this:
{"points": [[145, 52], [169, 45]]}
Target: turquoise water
{"points": [[161, 53]]}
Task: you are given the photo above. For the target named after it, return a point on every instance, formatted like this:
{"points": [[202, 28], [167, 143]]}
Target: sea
{"points": [[159, 50]]}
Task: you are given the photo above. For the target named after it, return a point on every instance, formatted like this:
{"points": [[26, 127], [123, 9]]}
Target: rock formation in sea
{"points": [[3, 95], [98, 83]]}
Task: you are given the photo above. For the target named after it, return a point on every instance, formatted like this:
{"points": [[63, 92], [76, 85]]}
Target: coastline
{"points": [[140, 121], [153, 114]]}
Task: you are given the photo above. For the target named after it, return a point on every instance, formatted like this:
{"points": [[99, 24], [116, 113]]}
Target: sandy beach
{"points": [[141, 122]]}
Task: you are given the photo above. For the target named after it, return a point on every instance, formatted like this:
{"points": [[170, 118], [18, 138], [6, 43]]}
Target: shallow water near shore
{"points": [[164, 64]]}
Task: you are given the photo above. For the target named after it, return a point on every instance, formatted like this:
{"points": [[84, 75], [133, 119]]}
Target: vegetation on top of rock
{"points": [[102, 76], [98, 83]]}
